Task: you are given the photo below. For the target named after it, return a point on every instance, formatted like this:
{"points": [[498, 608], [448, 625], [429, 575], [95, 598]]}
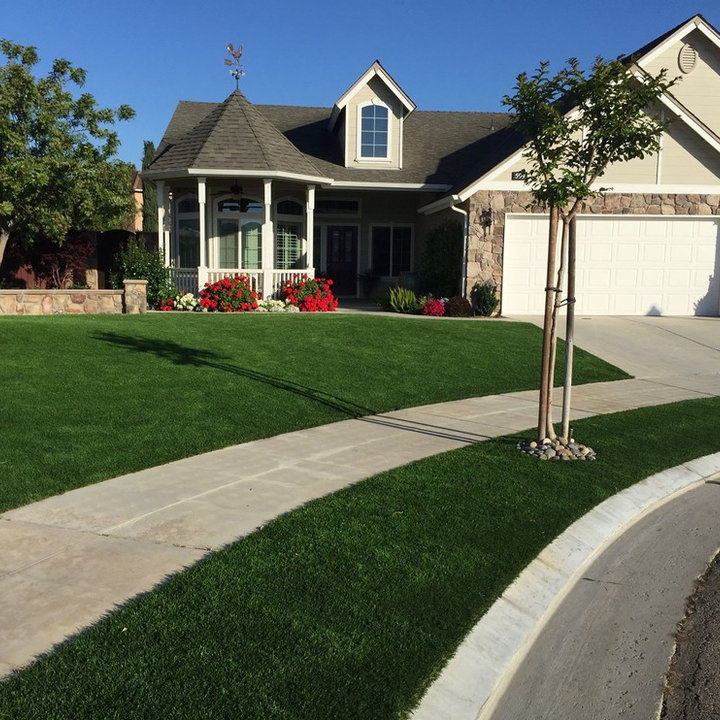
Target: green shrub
{"points": [[440, 263], [135, 262], [484, 297], [458, 306], [403, 300]]}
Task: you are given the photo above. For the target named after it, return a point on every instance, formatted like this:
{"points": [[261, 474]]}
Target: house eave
{"points": [[363, 185], [239, 172], [444, 203]]}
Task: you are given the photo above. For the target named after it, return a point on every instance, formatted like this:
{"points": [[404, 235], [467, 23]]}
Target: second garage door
{"points": [[626, 265]]}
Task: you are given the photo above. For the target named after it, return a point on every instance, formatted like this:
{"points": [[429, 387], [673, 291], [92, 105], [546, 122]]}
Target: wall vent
{"points": [[687, 58]]}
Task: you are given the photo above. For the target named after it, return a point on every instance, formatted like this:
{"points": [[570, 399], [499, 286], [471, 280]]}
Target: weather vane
{"points": [[237, 69]]}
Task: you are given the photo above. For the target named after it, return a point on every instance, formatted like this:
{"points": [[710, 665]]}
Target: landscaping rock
{"points": [[557, 449]]}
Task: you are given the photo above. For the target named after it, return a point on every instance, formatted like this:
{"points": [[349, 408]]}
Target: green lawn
{"points": [[87, 398], [347, 607]]}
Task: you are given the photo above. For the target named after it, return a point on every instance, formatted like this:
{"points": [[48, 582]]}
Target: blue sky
{"points": [[463, 55]]}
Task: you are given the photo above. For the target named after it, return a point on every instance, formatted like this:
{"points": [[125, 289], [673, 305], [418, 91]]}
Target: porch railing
{"points": [[264, 282]]}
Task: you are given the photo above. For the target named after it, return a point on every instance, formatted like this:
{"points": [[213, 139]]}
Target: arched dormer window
{"points": [[374, 131]]}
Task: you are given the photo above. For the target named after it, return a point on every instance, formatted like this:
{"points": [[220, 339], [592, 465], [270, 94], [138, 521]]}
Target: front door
{"points": [[342, 247]]}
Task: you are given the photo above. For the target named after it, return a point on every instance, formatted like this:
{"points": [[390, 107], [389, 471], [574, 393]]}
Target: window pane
{"points": [[228, 243], [251, 246], [381, 250], [189, 242], [374, 131], [289, 207], [229, 205], [287, 245], [337, 207], [188, 205], [401, 250]]}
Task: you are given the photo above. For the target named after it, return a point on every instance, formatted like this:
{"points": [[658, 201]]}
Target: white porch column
{"points": [[310, 230], [268, 240], [202, 225], [161, 212]]}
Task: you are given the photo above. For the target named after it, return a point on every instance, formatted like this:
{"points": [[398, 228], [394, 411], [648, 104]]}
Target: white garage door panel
{"points": [[626, 265]]}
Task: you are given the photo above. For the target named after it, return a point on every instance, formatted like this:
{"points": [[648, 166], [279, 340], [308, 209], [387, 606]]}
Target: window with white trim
{"points": [[187, 217], [374, 131], [392, 247], [288, 234], [239, 237]]}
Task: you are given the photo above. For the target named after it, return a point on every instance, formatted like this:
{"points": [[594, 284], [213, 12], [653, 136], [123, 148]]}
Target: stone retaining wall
{"points": [[75, 302], [485, 242]]}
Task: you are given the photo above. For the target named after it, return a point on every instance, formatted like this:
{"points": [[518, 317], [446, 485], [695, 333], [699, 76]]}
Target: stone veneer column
{"points": [[135, 297]]}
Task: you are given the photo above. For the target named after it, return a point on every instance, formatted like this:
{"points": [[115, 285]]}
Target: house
{"points": [[355, 189]]}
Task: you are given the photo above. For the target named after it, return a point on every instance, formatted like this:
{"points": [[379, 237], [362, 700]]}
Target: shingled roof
{"points": [[233, 135], [439, 148]]}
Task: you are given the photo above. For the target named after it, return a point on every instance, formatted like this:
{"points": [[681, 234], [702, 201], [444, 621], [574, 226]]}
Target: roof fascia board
{"points": [[213, 172], [677, 108], [443, 203], [695, 23], [363, 185], [615, 188]]}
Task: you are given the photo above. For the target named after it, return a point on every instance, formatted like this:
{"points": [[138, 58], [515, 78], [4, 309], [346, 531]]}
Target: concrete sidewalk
{"points": [[67, 560]]}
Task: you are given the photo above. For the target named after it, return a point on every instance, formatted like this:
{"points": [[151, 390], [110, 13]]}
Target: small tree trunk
{"points": [[545, 369], [553, 328], [569, 331]]}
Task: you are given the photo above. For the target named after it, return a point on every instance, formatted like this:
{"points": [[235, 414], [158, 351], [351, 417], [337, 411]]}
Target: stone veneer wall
{"points": [[75, 302], [485, 244]]}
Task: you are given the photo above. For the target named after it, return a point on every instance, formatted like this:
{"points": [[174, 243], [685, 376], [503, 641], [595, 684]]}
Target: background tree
{"points": [[576, 125], [57, 170], [149, 210]]}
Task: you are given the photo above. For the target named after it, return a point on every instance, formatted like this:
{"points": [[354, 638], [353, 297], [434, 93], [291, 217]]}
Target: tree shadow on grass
{"points": [[182, 355]]}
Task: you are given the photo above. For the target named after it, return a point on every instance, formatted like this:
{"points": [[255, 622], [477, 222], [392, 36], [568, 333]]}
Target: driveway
{"points": [[649, 347]]}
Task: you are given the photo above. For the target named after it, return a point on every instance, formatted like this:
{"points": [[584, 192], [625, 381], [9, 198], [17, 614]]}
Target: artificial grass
{"points": [[88, 398], [348, 607]]}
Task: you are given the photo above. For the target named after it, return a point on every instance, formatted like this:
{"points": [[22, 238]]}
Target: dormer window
{"points": [[374, 136]]}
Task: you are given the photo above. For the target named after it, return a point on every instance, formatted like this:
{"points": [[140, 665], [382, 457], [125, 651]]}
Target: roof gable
{"points": [[640, 61], [648, 52], [376, 70]]}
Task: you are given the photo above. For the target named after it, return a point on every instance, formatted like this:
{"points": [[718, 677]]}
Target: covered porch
{"points": [[214, 227]]}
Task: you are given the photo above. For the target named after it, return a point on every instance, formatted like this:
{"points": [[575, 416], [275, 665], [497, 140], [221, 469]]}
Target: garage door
{"points": [[626, 265]]}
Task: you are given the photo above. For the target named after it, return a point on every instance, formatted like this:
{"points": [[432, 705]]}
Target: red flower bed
{"points": [[309, 295], [231, 294], [434, 307]]}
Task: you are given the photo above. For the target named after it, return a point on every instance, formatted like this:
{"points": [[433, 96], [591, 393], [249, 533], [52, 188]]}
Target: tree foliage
{"points": [[578, 123], [149, 210], [57, 166]]}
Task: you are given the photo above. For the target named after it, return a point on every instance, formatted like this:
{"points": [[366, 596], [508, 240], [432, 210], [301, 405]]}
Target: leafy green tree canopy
{"points": [[57, 170], [577, 123]]}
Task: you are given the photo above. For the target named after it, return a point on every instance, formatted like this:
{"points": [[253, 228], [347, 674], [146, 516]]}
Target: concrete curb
{"points": [[474, 679]]}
